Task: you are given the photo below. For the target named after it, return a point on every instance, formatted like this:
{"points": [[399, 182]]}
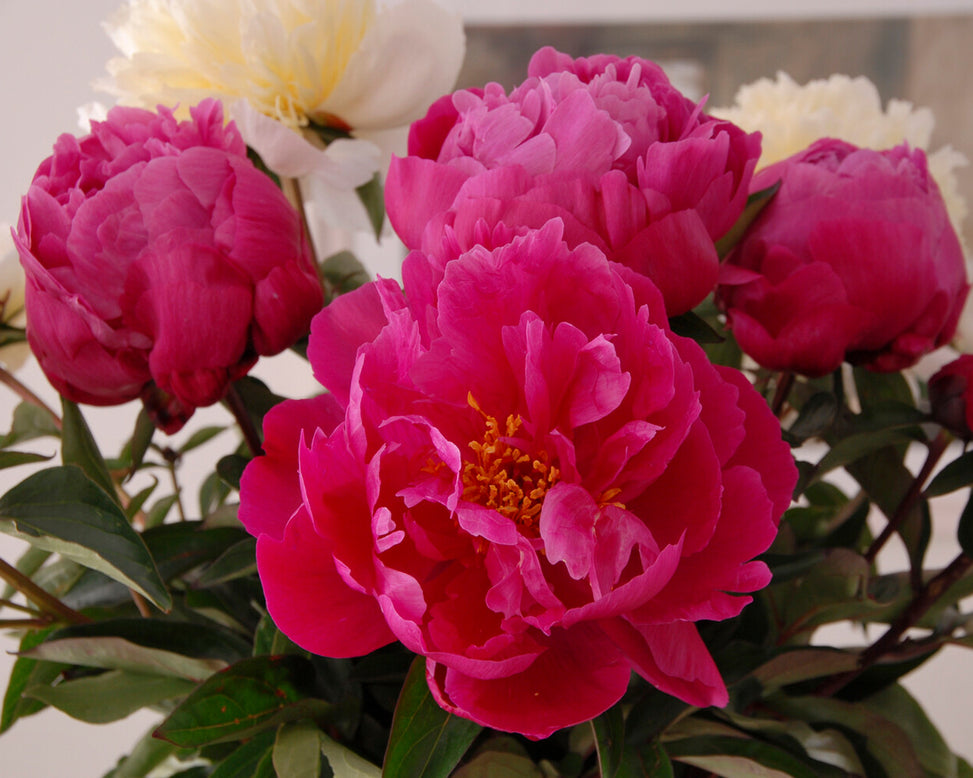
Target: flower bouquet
{"points": [[576, 497]]}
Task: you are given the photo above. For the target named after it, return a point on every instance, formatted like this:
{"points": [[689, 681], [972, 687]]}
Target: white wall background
{"points": [[50, 50]]}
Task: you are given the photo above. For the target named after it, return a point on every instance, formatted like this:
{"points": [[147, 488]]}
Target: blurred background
{"points": [[917, 50]]}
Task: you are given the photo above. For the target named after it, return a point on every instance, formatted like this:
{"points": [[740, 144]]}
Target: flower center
{"points": [[503, 476]]}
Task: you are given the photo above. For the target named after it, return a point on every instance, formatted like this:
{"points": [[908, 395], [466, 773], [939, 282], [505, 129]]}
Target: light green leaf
{"points": [[802, 665], [26, 672], [115, 653], [61, 510], [347, 764], [297, 750], [109, 696], [499, 764], [29, 422]]}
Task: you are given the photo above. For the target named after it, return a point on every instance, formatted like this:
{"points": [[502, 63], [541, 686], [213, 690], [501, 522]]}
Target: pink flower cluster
{"points": [[523, 475], [160, 263], [606, 145]]}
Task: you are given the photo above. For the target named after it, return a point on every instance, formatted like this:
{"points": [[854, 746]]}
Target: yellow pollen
{"points": [[504, 477]]}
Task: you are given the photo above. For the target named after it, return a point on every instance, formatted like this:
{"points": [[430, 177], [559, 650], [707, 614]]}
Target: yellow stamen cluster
{"points": [[503, 476]]}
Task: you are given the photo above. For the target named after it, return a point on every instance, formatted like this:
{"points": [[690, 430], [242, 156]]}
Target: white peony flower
{"points": [[357, 66], [11, 298], [791, 117]]}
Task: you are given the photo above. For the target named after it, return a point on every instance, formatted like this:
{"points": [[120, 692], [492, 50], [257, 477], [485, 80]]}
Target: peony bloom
{"points": [[951, 396], [607, 145], [349, 65], [854, 259], [139, 237], [523, 475]]}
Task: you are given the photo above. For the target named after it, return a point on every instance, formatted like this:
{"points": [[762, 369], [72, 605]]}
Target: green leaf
{"points": [[230, 469], [249, 696], [856, 447], [157, 513], [958, 474], [895, 703], [61, 510], [372, 196], [425, 741], [238, 560], [29, 563], [148, 753], [691, 325], [297, 750], [609, 732], [742, 757], [803, 664], [78, 447], [29, 422], [138, 500], [816, 416], [199, 437], [253, 759], [346, 763], [212, 493], [26, 672], [114, 653], [877, 736], [109, 696], [964, 532], [344, 272], [756, 202], [16, 458], [499, 764], [877, 388], [184, 546], [141, 439]]}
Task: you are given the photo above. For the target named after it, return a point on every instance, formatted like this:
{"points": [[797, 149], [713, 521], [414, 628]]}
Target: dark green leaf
{"points": [[499, 764], [159, 510], [856, 447], [16, 458], [609, 731], [253, 759], [738, 757], [109, 696], [756, 202], [803, 664], [964, 532], [138, 500], [372, 196], [148, 753], [251, 695], [691, 325], [230, 469], [344, 272], [646, 761], [256, 398], [141, 439], [26, 672], [650, 716], [238, 560], [815, 417], [78, 447], [425, 741], [958, 474], [212, 493], [61, 510], [877, 388]]}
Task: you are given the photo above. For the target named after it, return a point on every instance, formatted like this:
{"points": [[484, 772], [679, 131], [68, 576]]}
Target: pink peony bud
{"points": [[854, 259], [160, 263]]}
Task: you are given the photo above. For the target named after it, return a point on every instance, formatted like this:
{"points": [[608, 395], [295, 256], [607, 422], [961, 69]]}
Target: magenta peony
{"points": [[523, 475], [951, 396], [160, 263], [607, 145], [854, 259]]}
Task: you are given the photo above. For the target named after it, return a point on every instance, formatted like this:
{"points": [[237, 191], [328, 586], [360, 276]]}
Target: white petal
{"points": [[344, 164], [408, 58]]}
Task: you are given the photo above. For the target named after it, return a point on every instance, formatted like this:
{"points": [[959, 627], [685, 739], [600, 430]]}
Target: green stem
{"points": [[239, 410], [936, 449], [889, 642], [47, 602]]}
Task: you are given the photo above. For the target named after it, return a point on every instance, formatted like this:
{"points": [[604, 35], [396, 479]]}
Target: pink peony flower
{"points": [[523, 475], [951, 396], [607, 145], [854, 259], [160, 263]]}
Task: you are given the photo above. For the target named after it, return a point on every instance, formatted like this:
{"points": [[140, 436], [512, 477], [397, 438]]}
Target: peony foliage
{"points": [[578, 497]]}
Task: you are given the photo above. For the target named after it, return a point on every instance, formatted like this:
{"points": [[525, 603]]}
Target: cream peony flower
{"points": [[12, 355], [357, 66], [791, 117]]}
